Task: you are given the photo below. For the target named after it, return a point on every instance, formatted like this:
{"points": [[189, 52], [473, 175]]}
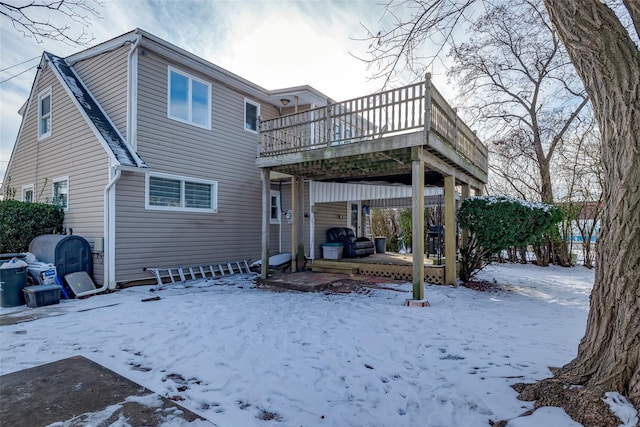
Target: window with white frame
{"points": [[44, 113], [167, 192], [189, 99], [275, 207], [60, 192], [251, 114], [27, 193]]}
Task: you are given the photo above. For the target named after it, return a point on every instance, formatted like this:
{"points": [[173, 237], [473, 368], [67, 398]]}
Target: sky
{"points": [[273, 43]]}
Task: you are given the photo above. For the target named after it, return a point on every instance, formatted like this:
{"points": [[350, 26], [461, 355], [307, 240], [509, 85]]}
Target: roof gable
{"points": [[110, 138]]}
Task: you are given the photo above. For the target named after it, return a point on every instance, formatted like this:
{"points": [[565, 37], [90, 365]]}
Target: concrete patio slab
{"points": [[79, 392]]}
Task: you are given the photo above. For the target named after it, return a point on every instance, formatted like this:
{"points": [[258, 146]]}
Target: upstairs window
{"points": [[61, 192], [44, 114], [189, 99], [251, 114], [190, 194]]}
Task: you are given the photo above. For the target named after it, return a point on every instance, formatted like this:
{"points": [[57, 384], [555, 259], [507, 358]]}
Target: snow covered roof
{"points": [[99, 120]]}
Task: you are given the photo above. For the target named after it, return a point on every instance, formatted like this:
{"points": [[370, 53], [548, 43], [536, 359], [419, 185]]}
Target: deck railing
{"points": [[371, 117]]}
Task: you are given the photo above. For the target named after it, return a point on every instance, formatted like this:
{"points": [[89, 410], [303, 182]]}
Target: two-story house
{"points": [[151, 151]]}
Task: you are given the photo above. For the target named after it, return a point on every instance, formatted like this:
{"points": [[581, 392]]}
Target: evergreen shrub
{"points": [[496, 223], [20, 222]]}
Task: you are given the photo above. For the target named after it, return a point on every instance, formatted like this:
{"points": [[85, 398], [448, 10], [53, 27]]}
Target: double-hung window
{"points": [[44, 113], [168, 192], [27, 193], [251, 114], [60, 192], [189, 99], [275, 207]]}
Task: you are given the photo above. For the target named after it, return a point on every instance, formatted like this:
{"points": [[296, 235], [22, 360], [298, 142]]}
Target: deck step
{"points": [[334, 269]]}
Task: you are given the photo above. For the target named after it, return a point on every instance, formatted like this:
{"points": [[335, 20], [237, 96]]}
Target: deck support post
{"points": [[464, 233], [417, 249], [266, 220], [450, 225], [297, 229]]}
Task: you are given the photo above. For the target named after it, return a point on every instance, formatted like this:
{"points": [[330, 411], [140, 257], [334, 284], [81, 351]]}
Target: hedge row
{"points": [[20, 222]]}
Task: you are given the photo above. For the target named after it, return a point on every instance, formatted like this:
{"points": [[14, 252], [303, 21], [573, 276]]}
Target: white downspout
{"points": [[109, 279], [109, 231], [132, 95]]}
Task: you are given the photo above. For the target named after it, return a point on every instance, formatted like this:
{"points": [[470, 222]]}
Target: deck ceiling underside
{"points": [[392, 166]]}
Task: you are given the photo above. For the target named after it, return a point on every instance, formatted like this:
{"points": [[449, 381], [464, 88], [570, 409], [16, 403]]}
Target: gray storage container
{"points": [[69, 254], [41, 295]]}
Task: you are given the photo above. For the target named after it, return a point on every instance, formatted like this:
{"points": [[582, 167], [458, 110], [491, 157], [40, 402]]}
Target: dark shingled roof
{"points": [[113, 139]]}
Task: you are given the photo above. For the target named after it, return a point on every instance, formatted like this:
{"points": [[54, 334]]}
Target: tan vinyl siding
{"points": [[226, 154], [105, 76], [285, 197], [71, 151], [327, 216]]}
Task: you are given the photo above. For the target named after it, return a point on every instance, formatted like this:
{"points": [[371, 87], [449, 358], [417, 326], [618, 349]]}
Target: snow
{"points": [[94, 113], [242, 355], [622, 408], [275, 260], [510, 199]]}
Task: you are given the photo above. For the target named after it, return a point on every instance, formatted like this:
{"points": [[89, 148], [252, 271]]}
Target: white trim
{"points": [[277, 220], [53, 194], [182, 179], [43, 94], [132, 94], [33, 192], [244, 118], [191, 79], [356, 228]]}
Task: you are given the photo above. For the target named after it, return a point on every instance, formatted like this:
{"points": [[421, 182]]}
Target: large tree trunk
{"points": [[608, 62]]}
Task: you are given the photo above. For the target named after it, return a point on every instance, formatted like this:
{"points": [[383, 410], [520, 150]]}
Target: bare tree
{"points": [[580, 171], [60, 20], [607, 60], [519, 84]]}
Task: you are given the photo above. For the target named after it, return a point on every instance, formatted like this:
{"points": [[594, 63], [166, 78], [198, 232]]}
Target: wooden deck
{"points": [[391, 265], [375, 137]]}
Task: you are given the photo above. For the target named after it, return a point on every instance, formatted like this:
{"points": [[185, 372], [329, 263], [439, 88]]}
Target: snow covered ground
{"points": [[243, 356]]}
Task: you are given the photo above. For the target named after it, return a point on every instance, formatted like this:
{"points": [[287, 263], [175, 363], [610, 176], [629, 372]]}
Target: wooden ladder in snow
{"points": [[204, 271]]}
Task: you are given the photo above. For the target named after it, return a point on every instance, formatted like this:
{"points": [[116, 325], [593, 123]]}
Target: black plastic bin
{"points": [[12, 281], [381, 244]]}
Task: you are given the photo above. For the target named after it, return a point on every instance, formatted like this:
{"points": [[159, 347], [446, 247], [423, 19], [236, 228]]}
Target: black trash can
{"points": [[12, 281], [381, 244]]}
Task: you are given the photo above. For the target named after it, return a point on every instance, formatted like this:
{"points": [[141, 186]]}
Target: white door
{"points": [[353, 215]]}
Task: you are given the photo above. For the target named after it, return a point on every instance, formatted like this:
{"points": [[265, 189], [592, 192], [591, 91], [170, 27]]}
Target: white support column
{"points": [[294, 221], [449, 230], [299, 224], [417, 190], [266, 220]]}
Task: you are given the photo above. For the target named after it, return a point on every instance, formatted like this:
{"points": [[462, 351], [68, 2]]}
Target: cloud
{"points": [[273, 43]]}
